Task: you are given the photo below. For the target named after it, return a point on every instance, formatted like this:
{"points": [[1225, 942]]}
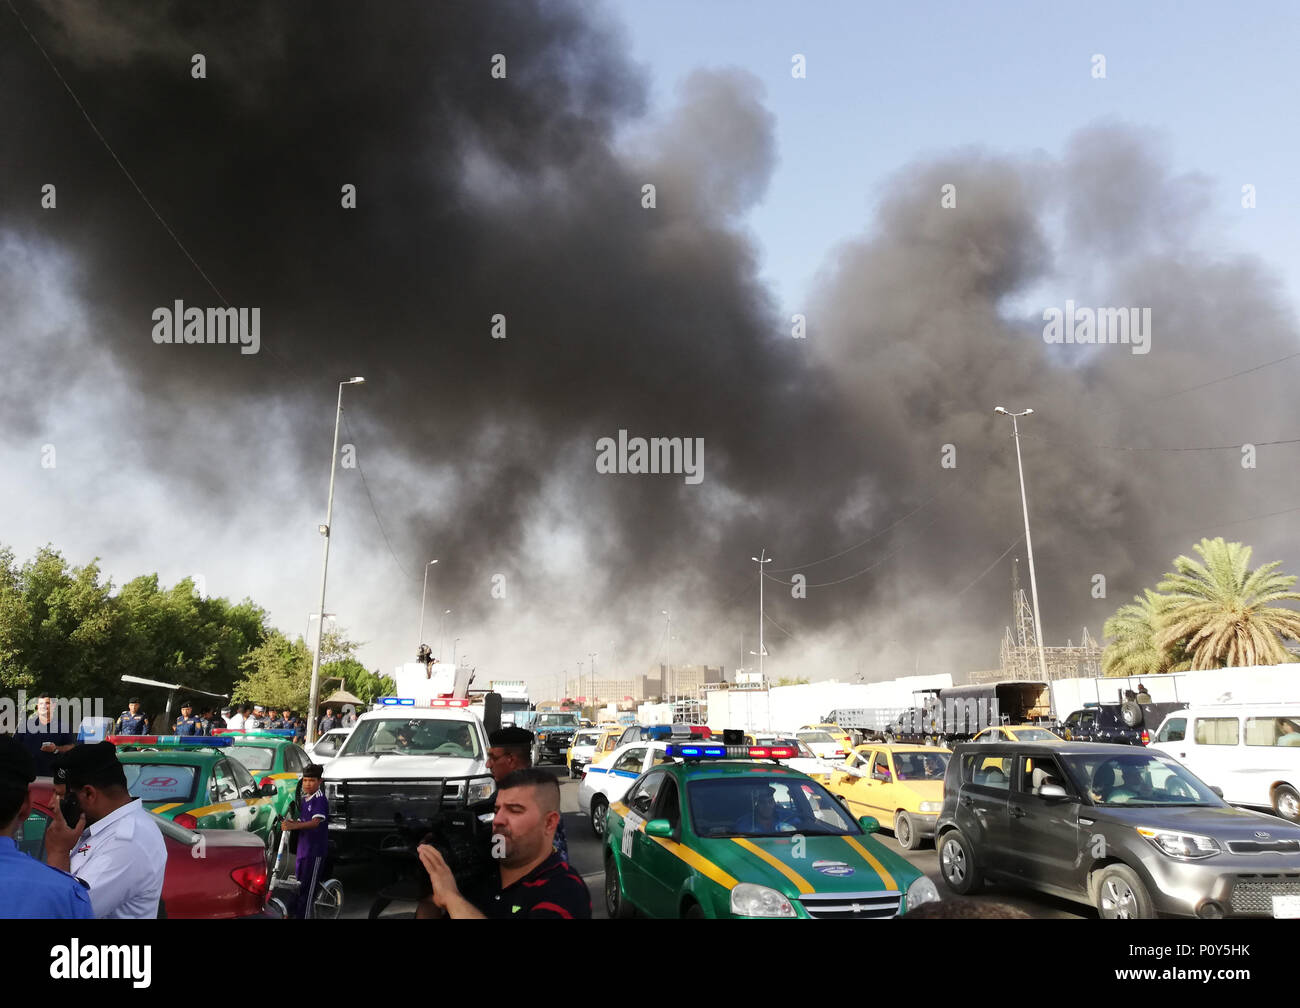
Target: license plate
{"points": [[1286, 907]]}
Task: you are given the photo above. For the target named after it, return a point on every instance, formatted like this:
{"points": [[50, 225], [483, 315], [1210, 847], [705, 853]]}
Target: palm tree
{"points": [[1133, 650], [1222, 609]]}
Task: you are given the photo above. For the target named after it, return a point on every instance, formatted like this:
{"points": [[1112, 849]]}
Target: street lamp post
{"points": [[453, 652], [592, 675], [423, 595], [306, 634], [669, 647], [761, 559], [1029, 546], [325, 564]]}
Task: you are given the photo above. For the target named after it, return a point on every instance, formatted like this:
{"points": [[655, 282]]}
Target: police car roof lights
{"points": [[257, 732], [393, 701], [449, 702], [198, 741], [710, 750]]}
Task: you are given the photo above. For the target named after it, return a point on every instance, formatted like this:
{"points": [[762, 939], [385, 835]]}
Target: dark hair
{"points": [[12, 797], [105, 777], [514, 741], [532, 777]]}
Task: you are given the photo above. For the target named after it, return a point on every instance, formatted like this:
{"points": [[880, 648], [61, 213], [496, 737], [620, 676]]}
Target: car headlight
{"points": [[1184, 846], [749, 900], [480, 789], [920, 892], [931, 807]]}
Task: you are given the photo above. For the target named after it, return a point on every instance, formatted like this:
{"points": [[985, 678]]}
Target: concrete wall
{"points": [[1255, 684], [786, 708]]}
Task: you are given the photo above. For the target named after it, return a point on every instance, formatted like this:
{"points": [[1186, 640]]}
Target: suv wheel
{"points": [[1121, 895], [598, 806], [616, 906], [1131, 714], [1286, 802], [537, 754], [957, 865], [905, 833]]}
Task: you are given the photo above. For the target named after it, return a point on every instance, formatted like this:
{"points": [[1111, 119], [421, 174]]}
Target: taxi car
{"points": [[807, 761], [827, 742], [270, 754], [716, 833], [607, 781], [1016, 733], [581, 749], [195, 783], [897, 784], [837, 733]]}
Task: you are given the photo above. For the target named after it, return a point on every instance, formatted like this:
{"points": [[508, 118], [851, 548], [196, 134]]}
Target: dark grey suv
{"points": [[1127, 830]]}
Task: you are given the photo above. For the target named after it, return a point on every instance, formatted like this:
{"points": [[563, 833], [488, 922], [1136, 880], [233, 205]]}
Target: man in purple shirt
{"points": [[313, 844]]}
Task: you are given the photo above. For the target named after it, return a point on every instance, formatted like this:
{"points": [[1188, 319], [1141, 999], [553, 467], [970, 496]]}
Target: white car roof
{"points": [[421, 714]]}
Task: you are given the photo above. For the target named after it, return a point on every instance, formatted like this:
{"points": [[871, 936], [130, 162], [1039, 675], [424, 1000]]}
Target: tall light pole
{"points": [[325, 565], [423, 594], [1029, 546], [442, 631], [669, 647], [761, 559], [453, 652], [306, 634], [592, 673]]}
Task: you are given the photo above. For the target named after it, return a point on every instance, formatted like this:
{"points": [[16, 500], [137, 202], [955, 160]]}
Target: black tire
{"points": [[957, 864], [905, 832], [693, 912], [1131, 714], [1286, 802], [537, 754], [598, 807], [1120, 895], [615, 905]]}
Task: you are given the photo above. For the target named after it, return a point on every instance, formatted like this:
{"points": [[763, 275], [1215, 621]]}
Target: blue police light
{"points": [[392, 701], [197, 741], [696, 751]]}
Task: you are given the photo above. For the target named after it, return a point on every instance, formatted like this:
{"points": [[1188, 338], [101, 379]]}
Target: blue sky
{"points": [[888, 84]]}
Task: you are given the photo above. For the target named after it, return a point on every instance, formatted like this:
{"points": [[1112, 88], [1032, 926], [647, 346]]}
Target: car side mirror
{"points": [[869, 824], [267, 787], [880, 775], [1217, 790], [659, 828], [1052, 791]]}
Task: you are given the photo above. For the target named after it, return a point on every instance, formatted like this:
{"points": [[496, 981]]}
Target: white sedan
{"points": [[608, 780]]}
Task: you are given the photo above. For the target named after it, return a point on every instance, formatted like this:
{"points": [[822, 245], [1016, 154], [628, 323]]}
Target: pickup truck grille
{"points": [[1253, 894], [847, 906], [374, 803]]}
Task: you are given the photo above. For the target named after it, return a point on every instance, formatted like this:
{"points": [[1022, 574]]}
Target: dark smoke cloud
{"points": [[479, 196]]}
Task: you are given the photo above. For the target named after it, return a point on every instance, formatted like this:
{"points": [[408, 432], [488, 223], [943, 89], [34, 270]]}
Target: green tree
{"points": [[276, 672], [1132, 649], [1223, 609]]}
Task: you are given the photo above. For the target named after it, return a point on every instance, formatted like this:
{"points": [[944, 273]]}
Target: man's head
{"points": [[44, 707], [527, 814], [17, 771], [133, 705], [187, 709], [96, 778], [329, 711], [509, 749], [403, 735]]}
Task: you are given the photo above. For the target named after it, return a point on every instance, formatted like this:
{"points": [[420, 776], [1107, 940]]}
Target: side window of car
{"points": [[667, 806], [1035, 771], [1175, 730], [1216, 731], [992, 772], [243, 780], [880, 767], [631, 760], [294, 759], [642, 796], [223, 783]]}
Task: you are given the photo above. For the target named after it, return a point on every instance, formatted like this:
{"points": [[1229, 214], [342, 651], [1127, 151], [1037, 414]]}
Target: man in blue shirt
{"points": [[187, 723], [27, 887], [131, 721], [313, 843]]}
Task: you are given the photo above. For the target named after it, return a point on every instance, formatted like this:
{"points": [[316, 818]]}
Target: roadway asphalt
{"points": [[363, 881]]}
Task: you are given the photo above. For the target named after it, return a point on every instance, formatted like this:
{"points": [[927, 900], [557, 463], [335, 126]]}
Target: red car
{"points": [[212, 873]]}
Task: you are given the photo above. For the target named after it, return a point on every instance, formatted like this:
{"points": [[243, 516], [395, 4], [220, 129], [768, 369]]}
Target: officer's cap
{"points": [[84, 762], [186, 703], [134, 699], [17, 768]]}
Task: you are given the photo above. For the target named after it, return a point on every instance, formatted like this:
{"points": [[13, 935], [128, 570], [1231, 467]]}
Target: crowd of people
{"points": [[211, 719]]}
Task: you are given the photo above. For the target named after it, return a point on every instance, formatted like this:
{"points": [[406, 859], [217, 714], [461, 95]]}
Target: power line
{"points": [[1138, 448], [1215, 381], [374, 510], [989, 568]]}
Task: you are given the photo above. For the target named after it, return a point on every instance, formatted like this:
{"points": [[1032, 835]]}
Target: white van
{"points": [[1250, 751]]}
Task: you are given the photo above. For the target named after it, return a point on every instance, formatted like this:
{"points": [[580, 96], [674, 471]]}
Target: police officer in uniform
{"points": [[131, 721], [27, 887], [115, 847], [187, 723]]}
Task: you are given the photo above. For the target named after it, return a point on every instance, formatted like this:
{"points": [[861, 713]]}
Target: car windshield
{"points": [[412, 737], [1139, 779], [919, 766], [586, 738], [556, 721], [1034, 735], [158, 782], [254, 757], [815, 736], [765, 806]]}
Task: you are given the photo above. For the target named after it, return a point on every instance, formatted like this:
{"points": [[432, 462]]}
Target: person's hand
{"points": [[60, 838], [444, 883], [48, 747]]}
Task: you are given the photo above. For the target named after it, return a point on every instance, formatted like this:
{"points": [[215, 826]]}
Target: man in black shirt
{"points": [[46, 735], [531, 880]]}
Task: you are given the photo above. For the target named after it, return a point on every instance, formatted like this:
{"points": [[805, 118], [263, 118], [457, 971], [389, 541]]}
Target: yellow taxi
{"points": [[834, 731], [898, 784], [1017, 733]]}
